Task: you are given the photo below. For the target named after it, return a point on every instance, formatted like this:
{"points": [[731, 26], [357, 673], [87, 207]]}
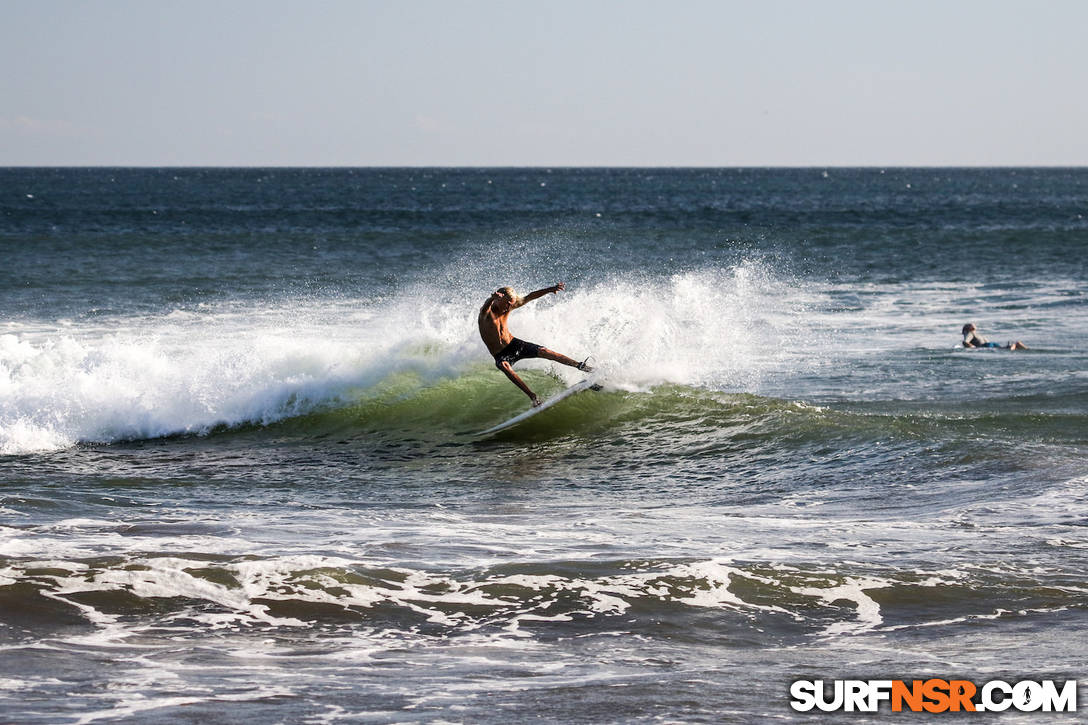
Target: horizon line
{"points": [[544, 166]]}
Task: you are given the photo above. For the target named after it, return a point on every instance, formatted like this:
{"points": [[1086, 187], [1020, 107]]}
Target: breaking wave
{"points": [[195, 371]]}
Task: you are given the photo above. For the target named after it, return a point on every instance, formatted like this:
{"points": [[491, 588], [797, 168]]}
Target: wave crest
{"points": [[193, 371]]}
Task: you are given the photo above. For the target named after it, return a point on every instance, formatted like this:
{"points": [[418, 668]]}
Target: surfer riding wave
{"points": [[508, 349]]}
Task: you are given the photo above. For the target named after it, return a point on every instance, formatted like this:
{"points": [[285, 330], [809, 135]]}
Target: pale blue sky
{"points": [[557, 83]]}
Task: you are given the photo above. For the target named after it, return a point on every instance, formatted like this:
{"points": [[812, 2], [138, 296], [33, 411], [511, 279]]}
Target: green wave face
{"points": [[682, 419], [405, 404]]}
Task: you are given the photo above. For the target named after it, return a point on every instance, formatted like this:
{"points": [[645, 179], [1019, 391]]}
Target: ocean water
{"points": [[240, 481]]}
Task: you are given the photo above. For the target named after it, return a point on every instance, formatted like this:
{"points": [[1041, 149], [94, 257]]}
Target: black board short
{"points": [[516, 350]]}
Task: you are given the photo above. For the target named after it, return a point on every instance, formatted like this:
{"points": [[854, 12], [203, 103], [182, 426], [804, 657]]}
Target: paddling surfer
{"points": [[971, 338], [507, 349]]}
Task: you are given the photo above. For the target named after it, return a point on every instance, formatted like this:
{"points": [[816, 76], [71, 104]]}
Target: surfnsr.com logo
{"points": [[934, 695]]}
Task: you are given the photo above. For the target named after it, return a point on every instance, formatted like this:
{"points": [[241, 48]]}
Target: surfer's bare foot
{"points": [[536, 401], [585, 368]]}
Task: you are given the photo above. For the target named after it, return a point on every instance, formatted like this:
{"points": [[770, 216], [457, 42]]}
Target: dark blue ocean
{"points": [[240, 479]]}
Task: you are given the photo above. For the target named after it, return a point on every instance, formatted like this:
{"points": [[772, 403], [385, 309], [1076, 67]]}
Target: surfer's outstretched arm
{"points": [[541, 292]]}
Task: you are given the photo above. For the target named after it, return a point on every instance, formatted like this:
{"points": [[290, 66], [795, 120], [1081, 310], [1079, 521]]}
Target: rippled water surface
{"points": [[241, 478]]}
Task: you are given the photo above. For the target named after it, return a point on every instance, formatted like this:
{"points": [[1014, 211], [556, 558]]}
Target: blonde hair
{"points": [[509, 293]]}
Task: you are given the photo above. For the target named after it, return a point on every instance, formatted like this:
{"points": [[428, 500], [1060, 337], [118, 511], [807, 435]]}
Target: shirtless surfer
{"points": [[971, 338], [508, 349]]}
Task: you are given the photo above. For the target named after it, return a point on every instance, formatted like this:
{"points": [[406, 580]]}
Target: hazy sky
{"points": [[555, 83]]}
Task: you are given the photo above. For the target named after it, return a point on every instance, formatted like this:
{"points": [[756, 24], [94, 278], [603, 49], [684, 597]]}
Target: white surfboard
{"points": [[561, 395]]}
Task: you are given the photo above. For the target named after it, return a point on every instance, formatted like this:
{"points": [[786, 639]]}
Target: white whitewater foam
{"points": [[189, 371], [152, 377], [720, 329]]}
